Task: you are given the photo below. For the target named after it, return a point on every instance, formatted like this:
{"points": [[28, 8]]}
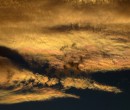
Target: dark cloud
{"points": [[14, 56]]}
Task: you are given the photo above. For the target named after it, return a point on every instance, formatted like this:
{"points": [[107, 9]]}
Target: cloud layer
{"points": [[48, 47]]}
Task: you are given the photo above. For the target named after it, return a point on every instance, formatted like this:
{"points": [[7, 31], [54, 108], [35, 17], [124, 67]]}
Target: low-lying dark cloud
{"points": [[14, 56]]}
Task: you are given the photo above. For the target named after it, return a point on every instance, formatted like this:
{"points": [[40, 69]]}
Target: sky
{"points": [[65, 53]]}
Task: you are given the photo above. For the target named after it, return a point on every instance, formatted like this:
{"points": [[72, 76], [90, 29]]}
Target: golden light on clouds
{"points": [[48, 47]]}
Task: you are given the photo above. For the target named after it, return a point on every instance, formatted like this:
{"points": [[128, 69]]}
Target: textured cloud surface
{"points": [[48, 47]]}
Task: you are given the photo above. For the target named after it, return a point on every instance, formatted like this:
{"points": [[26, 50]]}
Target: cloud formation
{"points": [[18, 85], [48, 47]]}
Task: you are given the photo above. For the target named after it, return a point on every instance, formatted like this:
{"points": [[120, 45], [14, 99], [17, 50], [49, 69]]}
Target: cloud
{"points": [[47, 10], [41, 65], [18, 85], [11, 97]]}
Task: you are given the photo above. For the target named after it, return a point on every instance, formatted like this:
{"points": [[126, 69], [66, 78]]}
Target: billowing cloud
{"points": [[48, 47], [18, 85]]}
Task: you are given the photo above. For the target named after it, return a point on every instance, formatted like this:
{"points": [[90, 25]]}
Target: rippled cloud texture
{"points": [[50, 46]]}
